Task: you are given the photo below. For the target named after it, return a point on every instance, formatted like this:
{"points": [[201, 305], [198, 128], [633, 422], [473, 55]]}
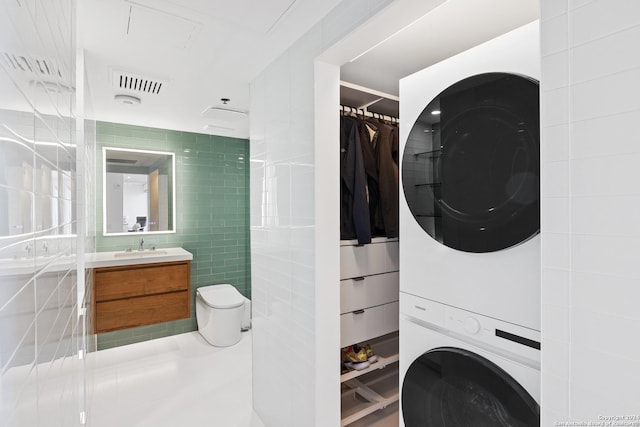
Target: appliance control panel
{"points": [[472, 327]]}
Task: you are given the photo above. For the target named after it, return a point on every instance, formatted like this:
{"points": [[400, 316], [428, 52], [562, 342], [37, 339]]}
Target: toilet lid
{"points": [[221, 296]]}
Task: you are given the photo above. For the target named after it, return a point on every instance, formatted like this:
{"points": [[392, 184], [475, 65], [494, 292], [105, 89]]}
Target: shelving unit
{"points": [[369, 390], [369, 315], [369, 300]]}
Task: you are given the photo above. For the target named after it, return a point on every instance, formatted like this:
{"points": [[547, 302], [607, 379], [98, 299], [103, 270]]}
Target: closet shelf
{"points": [[375, 391], [386, 348]]}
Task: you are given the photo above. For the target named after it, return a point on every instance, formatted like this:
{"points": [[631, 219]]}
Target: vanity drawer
{"points": [[368, 323], [139, 280], [368, 291], [141, 294], [373, 258], [132, 312]]}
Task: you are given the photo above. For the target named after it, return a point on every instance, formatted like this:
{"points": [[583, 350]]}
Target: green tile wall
{"points": [[212, 186]]}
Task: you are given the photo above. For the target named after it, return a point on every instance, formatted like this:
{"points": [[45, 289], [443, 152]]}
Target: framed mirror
{"points": [[138, 191]]}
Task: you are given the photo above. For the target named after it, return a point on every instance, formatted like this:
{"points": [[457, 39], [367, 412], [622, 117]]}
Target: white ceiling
{"points": [[450, 28], [201, 51], [205, 50]]}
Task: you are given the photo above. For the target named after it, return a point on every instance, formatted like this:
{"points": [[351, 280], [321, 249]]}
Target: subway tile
{"points": [[555, 215], [556, 323], [554, 35], [608, 255], [605, 136], [555, 394], [553, 8], [603, 56], [555, 71], [610, 391], [606, 176], [606, 216], [555, 179], [605, 332], [555, 287], [616, 93], [554, 107], [611, 16], [606, 294]]}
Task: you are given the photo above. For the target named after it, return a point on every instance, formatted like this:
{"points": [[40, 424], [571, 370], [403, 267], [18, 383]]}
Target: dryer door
{"points": [[457, 388], [471, 164]]}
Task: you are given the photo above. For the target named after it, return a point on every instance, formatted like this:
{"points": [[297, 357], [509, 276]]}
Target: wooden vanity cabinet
{"points": [[142, 294]]}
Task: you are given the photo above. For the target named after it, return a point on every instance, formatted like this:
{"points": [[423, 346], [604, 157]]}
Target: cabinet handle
{"points": [[361, 311], [358, 279]]}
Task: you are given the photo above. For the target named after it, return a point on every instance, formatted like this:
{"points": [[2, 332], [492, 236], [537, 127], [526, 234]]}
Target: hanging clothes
{"points": [[368, 138], [387, 157], [354, 208]]}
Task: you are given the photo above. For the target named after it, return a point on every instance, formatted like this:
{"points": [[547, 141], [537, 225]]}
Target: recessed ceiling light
{"points": [[127, 99], [435, 112]]}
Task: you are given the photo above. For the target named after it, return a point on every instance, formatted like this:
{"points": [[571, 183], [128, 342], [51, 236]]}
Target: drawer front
{"points": [[368, 324], [368, 291], [146, 279], [374, 258], [132, 312]]}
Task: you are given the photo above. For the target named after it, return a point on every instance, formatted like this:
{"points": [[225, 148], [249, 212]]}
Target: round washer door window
{"points": [[471, 164], [457, 388]]}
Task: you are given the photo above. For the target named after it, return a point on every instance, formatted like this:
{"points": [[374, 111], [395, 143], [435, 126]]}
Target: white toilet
{"points": [[222, 312]]}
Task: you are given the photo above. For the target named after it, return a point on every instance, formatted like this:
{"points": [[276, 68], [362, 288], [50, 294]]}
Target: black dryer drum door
{"points": [[452, 387], [471, 164]]}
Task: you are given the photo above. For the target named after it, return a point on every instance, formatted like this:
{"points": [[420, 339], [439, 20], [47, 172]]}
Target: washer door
{"points": [[457, 388], [471, 164]]}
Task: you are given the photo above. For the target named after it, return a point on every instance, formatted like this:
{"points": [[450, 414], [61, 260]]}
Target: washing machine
{"points": [[470, 173], [460, 369]]}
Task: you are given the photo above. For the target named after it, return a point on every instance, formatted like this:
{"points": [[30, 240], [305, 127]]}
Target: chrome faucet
{"points": [[141, 247]]}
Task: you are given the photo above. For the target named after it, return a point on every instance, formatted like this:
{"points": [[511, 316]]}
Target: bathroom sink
{"points": [[140, 254]]}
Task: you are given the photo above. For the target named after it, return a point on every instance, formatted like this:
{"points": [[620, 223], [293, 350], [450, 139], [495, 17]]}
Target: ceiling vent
{"points": [[223, 114], [44, 68], [123, 81]]}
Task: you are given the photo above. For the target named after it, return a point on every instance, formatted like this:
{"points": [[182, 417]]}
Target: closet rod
{"points": [[367, 113]]}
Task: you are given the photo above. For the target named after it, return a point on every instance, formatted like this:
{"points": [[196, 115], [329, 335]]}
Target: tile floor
{"points": [[173, 381]]}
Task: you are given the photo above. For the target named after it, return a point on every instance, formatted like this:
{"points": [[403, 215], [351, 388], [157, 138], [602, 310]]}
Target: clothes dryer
{"points": [[470, 172], [458, 368]]}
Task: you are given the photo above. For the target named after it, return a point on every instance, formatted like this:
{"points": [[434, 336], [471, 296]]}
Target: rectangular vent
{"points": [[137, 83], [42, 67], [122, 161]]}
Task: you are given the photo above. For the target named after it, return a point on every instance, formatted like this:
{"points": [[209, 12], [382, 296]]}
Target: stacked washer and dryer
{"points": [[470, 247]]}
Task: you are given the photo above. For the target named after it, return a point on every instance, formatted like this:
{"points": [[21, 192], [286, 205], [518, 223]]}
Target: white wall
{"points": [[288, 388], [590, 110]]}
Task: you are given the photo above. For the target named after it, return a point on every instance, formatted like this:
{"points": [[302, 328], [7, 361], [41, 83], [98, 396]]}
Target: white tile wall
{"points": [[591, 240], [283, 221], [41, 376]]}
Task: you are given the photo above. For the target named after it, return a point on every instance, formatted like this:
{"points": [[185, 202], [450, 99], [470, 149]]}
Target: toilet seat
{"points": [[221, 296]]}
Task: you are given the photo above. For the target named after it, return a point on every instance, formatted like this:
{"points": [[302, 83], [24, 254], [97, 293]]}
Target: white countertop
{"points": [[26, 266], [148, 256]]}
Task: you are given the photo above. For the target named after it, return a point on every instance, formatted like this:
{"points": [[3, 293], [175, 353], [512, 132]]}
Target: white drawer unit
{"points": [[368, 291], [374, 258], [369, 314], [365, 324]]}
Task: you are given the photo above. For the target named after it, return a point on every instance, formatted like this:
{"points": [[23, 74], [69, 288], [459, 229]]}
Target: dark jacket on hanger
{"points": [[387, 157], [368, 141], [354, 209]]}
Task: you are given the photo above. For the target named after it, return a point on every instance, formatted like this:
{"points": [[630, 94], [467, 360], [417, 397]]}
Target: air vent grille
{"points": [[137, 83], [42, 67]]}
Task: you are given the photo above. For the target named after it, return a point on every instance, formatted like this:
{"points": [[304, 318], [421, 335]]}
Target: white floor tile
{"points": [[174, 381]]}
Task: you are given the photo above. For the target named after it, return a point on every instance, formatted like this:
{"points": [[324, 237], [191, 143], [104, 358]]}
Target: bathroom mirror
{"points": [[138, 191]]}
